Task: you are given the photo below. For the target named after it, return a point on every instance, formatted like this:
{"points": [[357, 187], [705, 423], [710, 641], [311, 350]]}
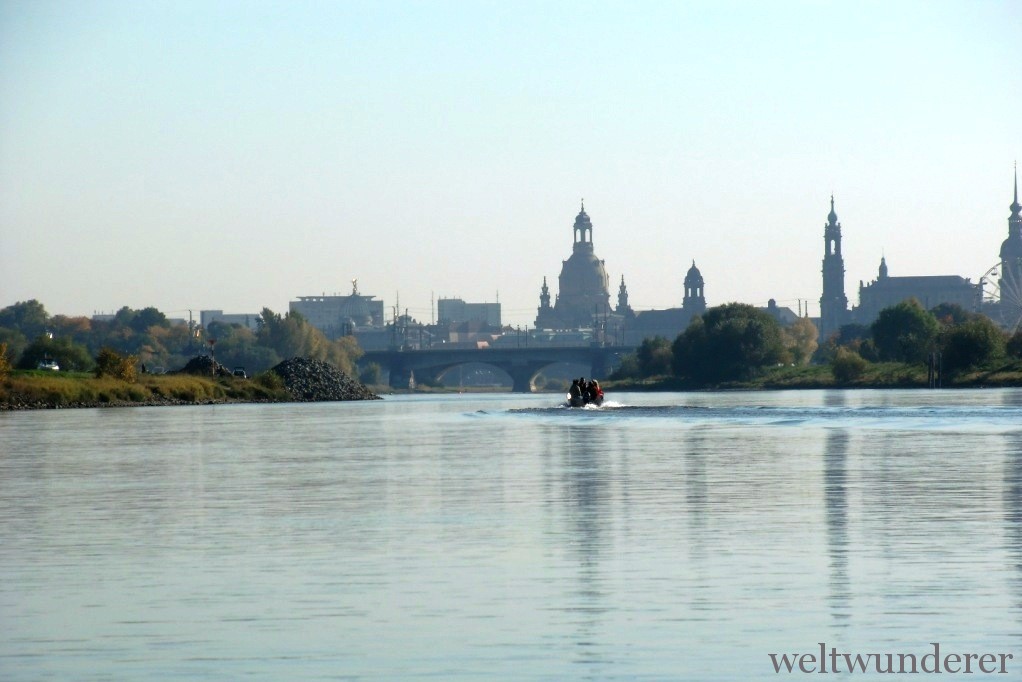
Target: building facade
{"points": [[457, 311], [930, 290], [337, 315]]}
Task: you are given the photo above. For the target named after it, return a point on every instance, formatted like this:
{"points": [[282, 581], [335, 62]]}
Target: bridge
{"points": [[523, 364]]}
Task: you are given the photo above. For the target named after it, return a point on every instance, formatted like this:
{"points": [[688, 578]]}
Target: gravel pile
{"points": [[312, 380], [204, 365]]}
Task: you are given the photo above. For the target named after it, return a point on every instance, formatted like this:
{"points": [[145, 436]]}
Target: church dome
{"points": [[693, 273], [357, 310], [1011, 248]]}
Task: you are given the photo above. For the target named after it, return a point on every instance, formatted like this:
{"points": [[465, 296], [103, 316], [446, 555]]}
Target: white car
{"points": [[49, 364]]}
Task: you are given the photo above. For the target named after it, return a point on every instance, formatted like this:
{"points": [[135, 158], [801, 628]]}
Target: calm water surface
{"points": [[663, 537]]}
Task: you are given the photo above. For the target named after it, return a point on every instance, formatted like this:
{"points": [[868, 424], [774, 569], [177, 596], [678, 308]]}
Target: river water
{"points": [[665, 536]]}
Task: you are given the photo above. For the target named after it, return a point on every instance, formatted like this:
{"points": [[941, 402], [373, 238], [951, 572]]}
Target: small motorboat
{"points": [[582, 401], [582, 394]]}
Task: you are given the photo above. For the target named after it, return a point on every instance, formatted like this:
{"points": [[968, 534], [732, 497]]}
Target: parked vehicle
{"points": [[48, 364]]}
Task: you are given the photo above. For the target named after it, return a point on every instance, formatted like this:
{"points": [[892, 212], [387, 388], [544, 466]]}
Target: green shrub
{"points": [[270, 380], [112, 364], [5, 363], [847, 365]]}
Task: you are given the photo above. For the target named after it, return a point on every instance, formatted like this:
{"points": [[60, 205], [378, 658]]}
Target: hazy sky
{"points": [[236, 155]]}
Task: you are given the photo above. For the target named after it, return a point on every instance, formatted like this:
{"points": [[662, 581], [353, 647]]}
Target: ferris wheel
{"points": [[1002, 294]]}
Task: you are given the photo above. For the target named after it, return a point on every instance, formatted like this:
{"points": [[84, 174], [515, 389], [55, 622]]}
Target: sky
{"points": [[237, 155]]}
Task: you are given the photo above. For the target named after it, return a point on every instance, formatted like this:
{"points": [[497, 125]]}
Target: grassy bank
{"points": [[35, 389], [875, 375]]}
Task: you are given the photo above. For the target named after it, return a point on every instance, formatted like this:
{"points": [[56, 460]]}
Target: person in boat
{"points": [[575, 392], [594, 392]]}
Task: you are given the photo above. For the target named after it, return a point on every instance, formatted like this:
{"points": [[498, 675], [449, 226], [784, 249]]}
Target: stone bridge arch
{"points": [[523, 365]]}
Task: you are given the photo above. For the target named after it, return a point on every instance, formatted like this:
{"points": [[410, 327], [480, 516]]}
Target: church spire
{"points": [[1014, 204]]}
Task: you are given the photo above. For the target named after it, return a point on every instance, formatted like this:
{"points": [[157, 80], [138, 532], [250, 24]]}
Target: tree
{"points": [[28, 317], [905, 332], [146, 318], [1014, 345], [971, 344], [847, 365], [654, 357], [951, 314], [801, 340], [371, 374], [15, 341], [111, 363], [291, 335], [732, 341], [69, 355]]}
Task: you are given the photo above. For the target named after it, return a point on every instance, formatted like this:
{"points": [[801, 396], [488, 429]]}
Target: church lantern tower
{"points": [[694, 300], [833, 302]]}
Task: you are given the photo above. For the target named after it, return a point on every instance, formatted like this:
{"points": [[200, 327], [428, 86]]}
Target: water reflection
{"points": [[1013, 511], [835, 490], [586, 469]]}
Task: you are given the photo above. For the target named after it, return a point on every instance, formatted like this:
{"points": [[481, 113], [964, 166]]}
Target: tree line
{"points": [[30, 335], [738, 342]]}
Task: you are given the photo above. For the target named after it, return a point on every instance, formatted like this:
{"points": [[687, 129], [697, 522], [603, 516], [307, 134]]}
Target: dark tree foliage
{"points": [[847, 365], [69, 355], [654, 357], [951, 314], [849, 333], [971, 344], [146, 318], [729, 342], [905, 332], [27, 317], [1014, 345]]}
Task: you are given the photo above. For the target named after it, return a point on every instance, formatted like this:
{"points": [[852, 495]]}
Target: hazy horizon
{"points": [[236, 155]]}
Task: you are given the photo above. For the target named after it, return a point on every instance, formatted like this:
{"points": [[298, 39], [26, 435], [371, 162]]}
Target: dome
{"points": [[693, 278], [832, 216], [1011, 248], [357, 310]]}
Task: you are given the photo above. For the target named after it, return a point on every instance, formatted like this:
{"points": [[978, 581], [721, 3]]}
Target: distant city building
{"points": [[672, 321], [784, 316], [833, 302], [583, 299], [337, 315], [250, 320], [930, 290], [886, 291], [457, 311]]}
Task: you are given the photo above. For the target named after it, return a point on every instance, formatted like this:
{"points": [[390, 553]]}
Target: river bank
{"points": [[888, 375], [295, 380]]}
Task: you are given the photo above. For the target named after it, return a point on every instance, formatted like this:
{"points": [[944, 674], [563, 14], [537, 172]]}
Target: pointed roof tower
{"points": [[1011, 248], [1015, 208]]}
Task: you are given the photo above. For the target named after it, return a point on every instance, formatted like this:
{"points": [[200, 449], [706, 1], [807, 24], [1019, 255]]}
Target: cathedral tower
{"points": [[1011, 249], [583, 296], [694, 299], [833, 302]]}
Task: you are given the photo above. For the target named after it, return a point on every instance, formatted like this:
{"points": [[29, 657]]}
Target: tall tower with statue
{"points": [[833, 302]]}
